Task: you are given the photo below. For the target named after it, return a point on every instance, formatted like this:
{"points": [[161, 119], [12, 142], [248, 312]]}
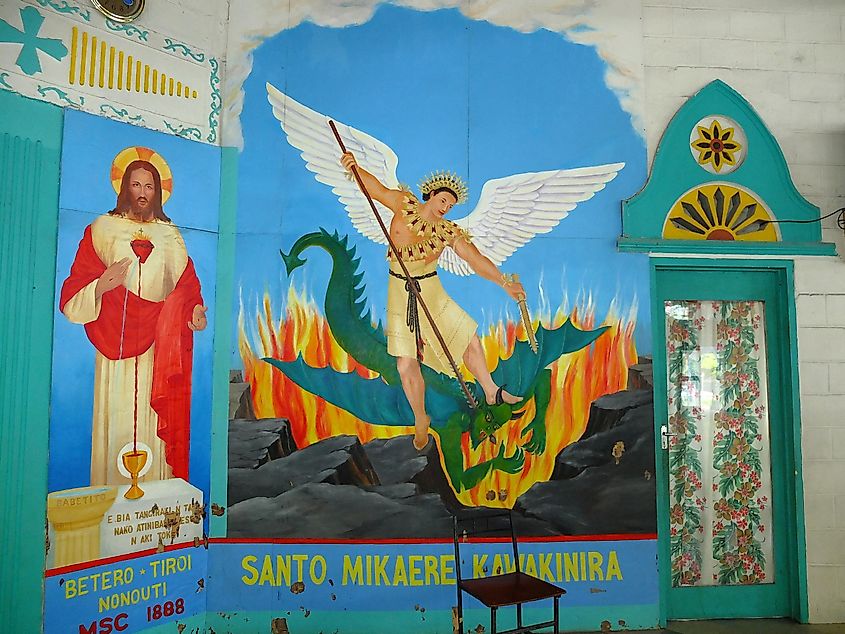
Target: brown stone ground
{"points": [[748, 626]]}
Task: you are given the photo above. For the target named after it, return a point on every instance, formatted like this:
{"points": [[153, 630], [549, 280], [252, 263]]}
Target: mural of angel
{"points": [[510, 212]]}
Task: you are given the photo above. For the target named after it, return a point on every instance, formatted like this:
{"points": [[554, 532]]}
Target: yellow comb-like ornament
{"points": [[450, 181]]}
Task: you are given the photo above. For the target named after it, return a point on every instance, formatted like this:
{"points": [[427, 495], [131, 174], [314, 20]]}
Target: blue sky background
{"points": [[444, 92], [89, 146]]}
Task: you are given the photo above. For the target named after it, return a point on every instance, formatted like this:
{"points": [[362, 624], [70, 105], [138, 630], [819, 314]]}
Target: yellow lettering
{"points": [[299, 559], [446, 569], [381, 570], [595, 566], [529, 567], [70, 588], [267, 575], [571, 566], [400, 575], [546, 567], [478, 566], [283, 570], [414, 562], [315, 577], [431, 576], [353, 572], [246, 564], [613, 569]]}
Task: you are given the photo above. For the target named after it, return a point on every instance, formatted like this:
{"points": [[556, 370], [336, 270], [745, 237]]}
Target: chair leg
{"points": [[519, 615], [557, 614], [493, 620], [460, 612]]}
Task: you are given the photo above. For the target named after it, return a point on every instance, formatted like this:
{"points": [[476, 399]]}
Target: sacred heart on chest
{"points": [[141, 246]]}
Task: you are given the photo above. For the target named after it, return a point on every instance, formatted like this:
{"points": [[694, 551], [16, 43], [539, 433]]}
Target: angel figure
{"points": [[510, 212]]}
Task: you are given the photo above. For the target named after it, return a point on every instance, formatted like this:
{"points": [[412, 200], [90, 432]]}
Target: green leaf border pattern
{"points": [[173, 45], [129, 29], [739, 525], [67, 8], [687, 498], [120, 113], [216, 100], [188, 133], [61, 94]]}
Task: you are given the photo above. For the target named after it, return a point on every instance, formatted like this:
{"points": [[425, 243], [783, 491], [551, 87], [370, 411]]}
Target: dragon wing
{"points": [[514, 209], [519, 371], [308, 131], [371, 400]]}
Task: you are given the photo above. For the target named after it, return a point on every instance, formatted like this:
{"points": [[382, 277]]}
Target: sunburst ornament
{"points": [[720, 211], [136, 153], [718, 144]]}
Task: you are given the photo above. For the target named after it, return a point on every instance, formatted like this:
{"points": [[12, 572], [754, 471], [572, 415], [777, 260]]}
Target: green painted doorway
{"points": [[730, 515], [30, 146]]}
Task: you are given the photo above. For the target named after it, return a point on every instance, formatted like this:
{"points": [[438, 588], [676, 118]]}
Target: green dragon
{"points": [[381, 400]]}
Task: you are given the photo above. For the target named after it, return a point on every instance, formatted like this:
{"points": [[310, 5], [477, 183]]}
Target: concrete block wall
{"points": [[787, 57]]}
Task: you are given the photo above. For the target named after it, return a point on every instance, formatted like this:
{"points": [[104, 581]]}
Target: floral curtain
{"points": [[719, 472]]}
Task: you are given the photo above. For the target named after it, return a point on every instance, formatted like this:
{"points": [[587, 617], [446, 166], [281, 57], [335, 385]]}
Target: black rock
{"points": [[474, 518], [395, 460], [607, 411], [598, 493], [330, 511], [632, 438], [641, 375], [240, 401], [255, 442], [597, 502], [337, 460]]}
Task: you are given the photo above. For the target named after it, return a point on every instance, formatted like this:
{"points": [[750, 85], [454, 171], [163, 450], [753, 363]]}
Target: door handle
{"points": [[665, 434]]}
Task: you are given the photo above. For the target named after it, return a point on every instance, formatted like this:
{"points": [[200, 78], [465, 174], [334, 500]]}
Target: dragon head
{"points": [[490, 418], [292, 261]]}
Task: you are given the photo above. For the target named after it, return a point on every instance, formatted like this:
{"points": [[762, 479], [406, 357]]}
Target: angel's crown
{"points": [[447, 180]]}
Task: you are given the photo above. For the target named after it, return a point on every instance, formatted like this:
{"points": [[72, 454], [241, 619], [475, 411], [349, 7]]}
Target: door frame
{"points": [[34, 128], [791, 434]]}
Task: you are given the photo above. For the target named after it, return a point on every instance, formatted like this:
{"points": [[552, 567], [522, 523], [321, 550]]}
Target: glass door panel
{"points": [[718, 443], [723, 517]]}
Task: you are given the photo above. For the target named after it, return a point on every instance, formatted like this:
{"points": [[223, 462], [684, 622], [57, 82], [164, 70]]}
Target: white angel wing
{"points": [[514, 209], [309, 131]]}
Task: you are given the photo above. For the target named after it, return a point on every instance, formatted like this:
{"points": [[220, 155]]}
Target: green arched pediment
{"points": [[717, 177]]}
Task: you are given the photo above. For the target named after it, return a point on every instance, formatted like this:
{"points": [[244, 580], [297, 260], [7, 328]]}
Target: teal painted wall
{"points": [[30, 143]]}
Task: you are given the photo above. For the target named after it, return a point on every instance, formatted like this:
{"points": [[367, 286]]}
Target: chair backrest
{"points": [[483, 524]]}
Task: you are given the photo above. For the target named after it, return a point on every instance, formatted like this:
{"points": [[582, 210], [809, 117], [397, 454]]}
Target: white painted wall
{"points": [[787, 57], [203, 23]]}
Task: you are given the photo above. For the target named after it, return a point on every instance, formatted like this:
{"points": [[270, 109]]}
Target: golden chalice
{"points": [[134, 462]]}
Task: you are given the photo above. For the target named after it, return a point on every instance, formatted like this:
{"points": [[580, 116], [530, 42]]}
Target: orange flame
{"points": [[577, 380]]}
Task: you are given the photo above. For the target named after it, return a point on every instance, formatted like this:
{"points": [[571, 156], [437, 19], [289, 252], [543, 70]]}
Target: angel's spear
{"points": [[412, 288]]}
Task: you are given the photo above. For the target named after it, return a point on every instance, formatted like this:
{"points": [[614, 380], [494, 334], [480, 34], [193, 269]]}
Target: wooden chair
{"points": [[506, 588]]}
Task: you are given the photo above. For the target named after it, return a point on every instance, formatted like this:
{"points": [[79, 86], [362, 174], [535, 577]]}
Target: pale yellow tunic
{"points": [[114, 381], [455, 325]]}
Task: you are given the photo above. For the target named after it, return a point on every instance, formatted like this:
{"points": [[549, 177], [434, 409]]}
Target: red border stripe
{"points": [[52, 572], [555, 538]]}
